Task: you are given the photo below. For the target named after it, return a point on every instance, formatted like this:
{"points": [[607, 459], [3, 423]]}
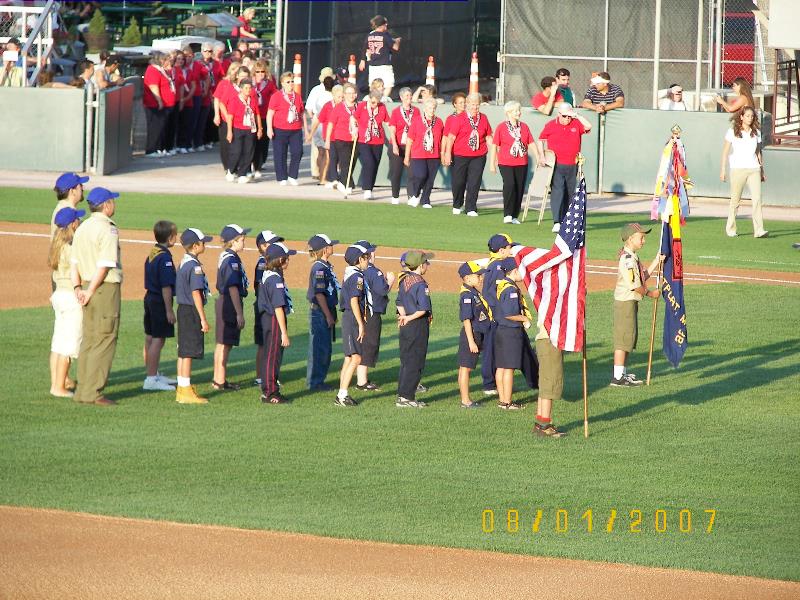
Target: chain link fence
{"points": [[744, 50]]}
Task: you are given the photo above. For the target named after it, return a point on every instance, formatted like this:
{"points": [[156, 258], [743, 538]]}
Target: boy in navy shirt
{"points": [[476, 317], [378, 50], [232, 286], [263, 239], [159, 318], [191, 294], [415, 314], [323, 294], [355, 312], [274, 303]]}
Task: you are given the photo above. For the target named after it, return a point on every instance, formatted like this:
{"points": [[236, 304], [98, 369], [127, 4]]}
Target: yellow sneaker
{"points": [[188, 395]]}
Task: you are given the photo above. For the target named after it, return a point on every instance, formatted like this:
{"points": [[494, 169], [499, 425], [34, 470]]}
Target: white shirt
{"points": [[743, 150], [313, 95], [667, 104]]}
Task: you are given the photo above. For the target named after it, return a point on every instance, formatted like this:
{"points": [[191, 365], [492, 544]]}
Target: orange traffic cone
{"points": [[298, 75], [351, 70], [430, 72], [473, 74]]}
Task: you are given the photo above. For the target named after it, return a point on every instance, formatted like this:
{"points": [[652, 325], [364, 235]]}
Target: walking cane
{"points": [[350, 167], [655, 308]]}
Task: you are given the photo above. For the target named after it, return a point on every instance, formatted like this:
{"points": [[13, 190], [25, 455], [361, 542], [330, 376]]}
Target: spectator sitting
{"points": [[11, 74], [674, 99], [744, 96], [108, 75], [603, 96], [45, 80], [84, 71], [424, 92], [545, 100], [562, 77]]}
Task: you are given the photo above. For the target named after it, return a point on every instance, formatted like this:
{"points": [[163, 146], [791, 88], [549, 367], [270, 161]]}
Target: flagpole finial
{"points": [[676, 130]]}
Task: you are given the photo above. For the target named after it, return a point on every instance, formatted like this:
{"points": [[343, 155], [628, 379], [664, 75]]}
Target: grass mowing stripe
{"points": [[720, 433], [400, 226]]}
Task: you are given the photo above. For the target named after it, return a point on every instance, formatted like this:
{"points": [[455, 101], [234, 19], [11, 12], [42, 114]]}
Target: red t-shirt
{"points": [[416, 134], [362, 116], [200, 73], [461, 128], [222, 90], [183, 82], [281, 107], [324, 115], [219, 70], [448, 122], [540, 99], [166, 88], [504, 140], [399, 123], [244, 26], [237, 109], [264, 92], [564, 140], [340, 119]]}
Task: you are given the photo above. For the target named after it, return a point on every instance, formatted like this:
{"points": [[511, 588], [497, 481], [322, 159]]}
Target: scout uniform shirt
{"points": [[322, 280], [159, 270], [630, 276], [95, 245], [272, 293], [230, 273], [190, 277], [413, 294], [494, 273], [261, 265], [474, 308], [377, 289], [354, 287], [509, 303]]}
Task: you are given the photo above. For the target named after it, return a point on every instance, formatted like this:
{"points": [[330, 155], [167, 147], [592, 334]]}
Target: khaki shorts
{"points": [[626, 324], [551, 370], [385, 72]]}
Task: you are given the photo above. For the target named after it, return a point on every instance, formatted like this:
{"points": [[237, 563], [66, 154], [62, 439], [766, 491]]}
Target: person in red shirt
{"points": [[245, 30], [423, 152], [399, 125], [371, 116], [549, 97], [469, 137], [512, 142], [563, 137], [328, 173], [287, 128], [185, 84], [212, 60], [342, 135], [158, 98], [264, 87], [220, 114], [198, 116], [244, 127]]}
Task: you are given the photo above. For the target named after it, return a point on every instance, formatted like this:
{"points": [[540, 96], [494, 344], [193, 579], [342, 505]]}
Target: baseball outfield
{"points": [[716, 438]]}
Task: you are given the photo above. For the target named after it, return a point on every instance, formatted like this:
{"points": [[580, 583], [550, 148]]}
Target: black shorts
{"points": [[350, 343], [372, 340], [226, 331], [191, 339], [258, 330], [508, 347], [155, 317], [465, 357]]}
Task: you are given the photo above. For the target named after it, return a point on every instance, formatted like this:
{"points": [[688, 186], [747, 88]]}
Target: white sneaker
{"points": [[183, 151], [348, 191], [413, 202], [367, 194], [458, 211], [155, 154], [190, 150], [153, 384], [507, 219], [426, 206], [556, 227], [243, 179], [282, 182], [166, 379], [162, 153], [292, 181], [257, 175], [330, 185], [729, 234], [395, 200], [229, 176], [172, 152], [472, 213], [515, 222], [208, 146]]}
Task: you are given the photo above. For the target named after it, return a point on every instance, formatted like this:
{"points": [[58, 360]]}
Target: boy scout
{"points": [[551, 384], [476, 317], [96, 278], [631, 279]]}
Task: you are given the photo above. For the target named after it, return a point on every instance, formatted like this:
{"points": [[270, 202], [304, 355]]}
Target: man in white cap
{"points": [[563, 135], [674, 99], [317, 98], [603, 96]]}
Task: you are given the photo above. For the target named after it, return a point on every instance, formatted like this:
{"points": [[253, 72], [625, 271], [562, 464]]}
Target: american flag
{"points": [[556, 277]]}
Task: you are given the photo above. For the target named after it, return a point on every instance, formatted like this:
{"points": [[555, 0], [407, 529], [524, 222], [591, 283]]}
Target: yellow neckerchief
{"points": [[493, 256], [504, 283], [155, 251], [466, 288]]}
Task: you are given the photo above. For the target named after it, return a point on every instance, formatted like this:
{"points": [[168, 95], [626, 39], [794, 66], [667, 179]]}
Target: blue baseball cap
{"points": [[470, 268], [319, 241], [403, 259], [267, 237], [192, 236], [67, 216], [99, 195], [367, 245], [279, 250], [232, 231], [67, 181], [354, 253], [498, 241], [508, 264]]}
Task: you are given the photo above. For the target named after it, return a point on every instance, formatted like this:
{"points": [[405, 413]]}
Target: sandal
{"points": [[273, 400], [510, 406], [226, 386]]}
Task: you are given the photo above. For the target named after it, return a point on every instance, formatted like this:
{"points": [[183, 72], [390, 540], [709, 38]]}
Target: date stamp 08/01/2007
{"points": [[560, 520]]}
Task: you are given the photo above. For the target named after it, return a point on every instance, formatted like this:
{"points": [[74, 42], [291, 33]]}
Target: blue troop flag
{"points": [[675, 338]]}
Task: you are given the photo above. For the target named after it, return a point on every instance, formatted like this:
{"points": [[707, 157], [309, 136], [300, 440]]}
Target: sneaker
{"points": [[470, 405], [188, 395], [622, 382], [426, 206], [490, 392], [345, 402], [190, 150], [734, 234], [330, 185], [209, 146], [763, 235], [348, 191], [292, 181], [243, 179], [413, 201], [458, 211], [154, 384], [367, 194], [548, 430], [275, 399], [405, 403], [507, 219], [257, 175], [229, 176], [368, 387], [183, 151], [155, 154], [172, 152], [421, 389], [284, 182], [633, 379], [341, 188], [162, 153], [166, 379], [395, 200], [472, 213], [556, 227], [257, 382], [515, 222], [510, 406]]}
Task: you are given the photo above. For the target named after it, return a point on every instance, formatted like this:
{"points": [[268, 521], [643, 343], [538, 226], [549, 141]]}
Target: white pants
{"points": [[384, 72], [68, 327]]}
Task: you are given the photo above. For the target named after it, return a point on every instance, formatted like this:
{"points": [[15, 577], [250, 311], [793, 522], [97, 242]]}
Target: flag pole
{"points": [[585, 387], [655, 315]]}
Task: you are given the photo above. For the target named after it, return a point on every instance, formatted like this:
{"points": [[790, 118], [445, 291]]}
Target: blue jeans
{"points": [[320, 348], [291, 140]]}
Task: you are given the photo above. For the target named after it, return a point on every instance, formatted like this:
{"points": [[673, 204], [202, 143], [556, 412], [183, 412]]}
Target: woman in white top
{"points": [[742, 151]]}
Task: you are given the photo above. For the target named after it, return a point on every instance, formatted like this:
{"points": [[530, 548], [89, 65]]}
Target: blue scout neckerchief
{"points": [[267, 274]]}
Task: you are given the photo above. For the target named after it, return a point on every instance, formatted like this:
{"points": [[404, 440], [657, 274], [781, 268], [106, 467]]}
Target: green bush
{"points": [[132, 35], [98, 23]]}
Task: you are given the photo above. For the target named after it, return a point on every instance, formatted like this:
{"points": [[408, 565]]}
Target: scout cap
{"points": [[414, 258], [192, 236], [232, 231], [354, 253], [498, 241], [631, 228], [367, 245], [67, 216], [508, 264], [403, 259], [470, 268], [267, 237], [325, 72], [67, 181], [279, 250], [318, 241], [565, 110], [99, 195]]}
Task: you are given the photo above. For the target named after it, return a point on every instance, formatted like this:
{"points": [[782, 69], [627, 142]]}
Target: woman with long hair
{"points": [[744, 96], [742, 153], [68, 324], [264, 87]]}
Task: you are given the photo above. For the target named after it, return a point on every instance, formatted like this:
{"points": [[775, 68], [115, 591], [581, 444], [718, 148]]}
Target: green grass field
{"points": [[718, 434]]}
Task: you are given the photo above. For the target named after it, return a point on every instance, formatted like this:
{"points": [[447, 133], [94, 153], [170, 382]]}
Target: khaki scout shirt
{"points": [[96, 244], [629, 276], [59, 205]]}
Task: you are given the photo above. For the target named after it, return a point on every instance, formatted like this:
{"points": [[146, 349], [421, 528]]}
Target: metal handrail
{"points": [[35, 36]]}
